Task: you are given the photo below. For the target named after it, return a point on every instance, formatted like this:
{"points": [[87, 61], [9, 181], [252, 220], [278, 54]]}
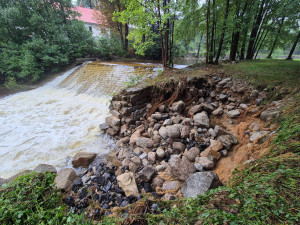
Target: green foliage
{"points": [[108, 48], [39, 36], [32, 199]]}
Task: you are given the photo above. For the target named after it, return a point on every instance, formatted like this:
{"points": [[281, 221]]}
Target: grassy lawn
{"points": [[267, 72]]}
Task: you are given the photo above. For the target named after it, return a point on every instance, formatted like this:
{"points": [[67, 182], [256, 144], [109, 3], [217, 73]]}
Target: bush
{"points": [[108, 47]]}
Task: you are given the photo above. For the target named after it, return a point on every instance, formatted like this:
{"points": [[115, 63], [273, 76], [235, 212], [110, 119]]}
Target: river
{"points": [[52, 123]]}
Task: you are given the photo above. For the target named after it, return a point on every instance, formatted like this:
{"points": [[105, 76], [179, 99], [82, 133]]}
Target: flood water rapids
{"points": [[50, 124]]}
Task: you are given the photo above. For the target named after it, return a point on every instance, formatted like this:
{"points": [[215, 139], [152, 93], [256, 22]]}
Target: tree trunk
{"points": [[207, 31], [126, 37], [293, 48], [254, 31], [234, 45], [223, 33], [211, 55], [199, 46], [243, 48], [261, 43], [277, 35]]}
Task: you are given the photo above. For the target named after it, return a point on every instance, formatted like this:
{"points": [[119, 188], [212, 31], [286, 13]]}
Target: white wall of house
{"points": [[97, 30]]}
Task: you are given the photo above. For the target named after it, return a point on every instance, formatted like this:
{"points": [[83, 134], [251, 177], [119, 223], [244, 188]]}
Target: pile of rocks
{"points": [[177, 139]]}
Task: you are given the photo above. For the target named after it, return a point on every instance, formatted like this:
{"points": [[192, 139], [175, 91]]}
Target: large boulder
{"points": [[65, 178], [181, 168], [199, 183], [144, 142], [201, 119], [42, 168], [83, 159], [127, 182]]}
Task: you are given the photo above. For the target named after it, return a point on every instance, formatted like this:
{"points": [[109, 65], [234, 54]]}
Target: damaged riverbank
{"points": [[238, 202]]}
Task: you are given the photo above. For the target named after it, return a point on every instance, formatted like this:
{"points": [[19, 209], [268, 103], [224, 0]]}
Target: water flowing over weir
{"points": [[50, 123]]}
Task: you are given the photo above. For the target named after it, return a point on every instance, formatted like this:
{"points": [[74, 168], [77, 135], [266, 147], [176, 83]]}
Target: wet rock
{"points": [[181, 168], [170, 185], [127, 182], [258, 135], [42, 168], [178, 146], [83, 193], [233, 113], [192, 153], [83, 159], [178, 106], [269, 115], [65, 178], [228, 140], [103, 126], [77, 184], [201, 119], [205, 162], [146, 173], [115, 114], [144, 142], [112, 132], [113, 122], [199, 183], [218, 112]]}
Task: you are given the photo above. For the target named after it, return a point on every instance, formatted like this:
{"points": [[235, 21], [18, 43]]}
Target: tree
{"points": [[293, 48]]}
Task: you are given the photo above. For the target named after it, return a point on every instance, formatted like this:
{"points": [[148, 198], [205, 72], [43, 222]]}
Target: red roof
{"points": [[90, 16]]}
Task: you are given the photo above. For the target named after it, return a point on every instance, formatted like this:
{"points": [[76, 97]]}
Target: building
{"points": [[93, 20]]}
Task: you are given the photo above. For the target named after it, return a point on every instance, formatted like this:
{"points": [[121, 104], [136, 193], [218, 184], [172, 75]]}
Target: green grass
{"points": [[32, 199], [267, 72]]}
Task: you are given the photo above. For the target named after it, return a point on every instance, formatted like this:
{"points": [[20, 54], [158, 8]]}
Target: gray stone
{"points": [[65, 178], [224, 81], [243, 106], [156, 116], [228, 140], [170, 185], [254, 94], [144, 142], [113, 122], [103, 126], [136, 160], [193, 110], [207, 107], [178, 146], [269, 115], [161, 168], [201, 119], [181, 168], [143, 156], [146, 173], [258, 101], [212, 132], [178, 106], [199, 183], [192, 153], [160, 153], [205, 162], [217, 112], [115, 113], [258, 135], [42, 168], [222, 97], [199, 167], [167, 122], [158, 182], [233, 113], [83, 159], [185, 132], [152, 157], [172, 131]]}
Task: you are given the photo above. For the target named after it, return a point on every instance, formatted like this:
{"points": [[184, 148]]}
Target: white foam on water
{"points": [[51, 123]]}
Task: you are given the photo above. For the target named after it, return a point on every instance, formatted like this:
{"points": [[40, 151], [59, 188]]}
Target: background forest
{"points": [[42, 36]]}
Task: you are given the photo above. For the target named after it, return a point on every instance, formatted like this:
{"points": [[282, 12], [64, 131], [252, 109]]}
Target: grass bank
{"points": [[266, 192]]}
